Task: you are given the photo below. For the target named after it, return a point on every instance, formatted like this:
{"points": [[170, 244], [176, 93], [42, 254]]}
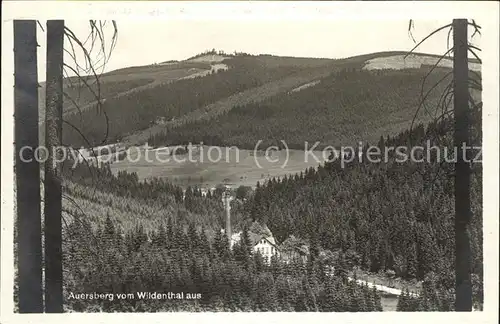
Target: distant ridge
{"points": [[144, 101]]}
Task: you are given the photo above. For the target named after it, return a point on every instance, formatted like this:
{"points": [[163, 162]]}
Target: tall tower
{"points": [[226, 199]]}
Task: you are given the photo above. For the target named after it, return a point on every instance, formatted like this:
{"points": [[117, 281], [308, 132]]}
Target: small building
{"points": [[265, 245], [294, 249], [261, 239]]}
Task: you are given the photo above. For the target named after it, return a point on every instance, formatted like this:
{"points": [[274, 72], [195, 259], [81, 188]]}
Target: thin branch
{"points": [[427, 37], [424, 97], [40, 25], [469, 48], [87, 56], [411, 26], [448, 90], [474, 47], [475, 85], [476, 28], [448, 39], [476, 74], [423, 83], [67, 96], [97, 95]]}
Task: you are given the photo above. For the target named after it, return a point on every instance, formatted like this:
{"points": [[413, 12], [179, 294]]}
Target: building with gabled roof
{"points": [[266, 246], [294, 249], [261, 240]]}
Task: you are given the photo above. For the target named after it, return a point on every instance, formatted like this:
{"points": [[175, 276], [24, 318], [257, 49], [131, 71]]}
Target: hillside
{"points": [[130, 233], [140, 102], [392, 216], [121, 82], [374, 217], [343, 108]]}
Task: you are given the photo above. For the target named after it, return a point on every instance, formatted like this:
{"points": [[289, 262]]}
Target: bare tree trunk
{"points": [[29, 224], [463, 287], [53, 190]]}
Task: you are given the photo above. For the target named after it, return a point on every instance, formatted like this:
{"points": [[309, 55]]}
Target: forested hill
{"points": [[385, 216], [376, 216], [352, 98], [344, 107]]}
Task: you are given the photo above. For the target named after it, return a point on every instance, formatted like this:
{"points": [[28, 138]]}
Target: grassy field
{"points": [[413, 61], [241, 168]]}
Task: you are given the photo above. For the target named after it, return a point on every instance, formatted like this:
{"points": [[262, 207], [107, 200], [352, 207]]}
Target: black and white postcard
{"points": [[246, 161]]}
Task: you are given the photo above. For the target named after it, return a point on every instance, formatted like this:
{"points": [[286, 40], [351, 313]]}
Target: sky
{"points": [[142, 42]]}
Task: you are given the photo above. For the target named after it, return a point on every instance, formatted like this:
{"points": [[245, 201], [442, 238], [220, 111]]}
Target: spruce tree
{"points": [[401, 306], [204, 243], [170, 233], [369, 300], [377, 300], [162, 236], [109, 227], [193, 238]]}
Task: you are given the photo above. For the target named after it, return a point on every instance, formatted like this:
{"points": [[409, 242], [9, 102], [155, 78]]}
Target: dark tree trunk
{"points": [[463, 301], [53, 192], [29, 231]]}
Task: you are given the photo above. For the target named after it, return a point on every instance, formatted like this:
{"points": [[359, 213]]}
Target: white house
{"points": [[266, 246], [261, 239]]}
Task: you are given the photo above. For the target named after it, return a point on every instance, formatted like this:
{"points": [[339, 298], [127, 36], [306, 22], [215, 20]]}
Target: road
{"points": [[388, 290], [390, 301]]}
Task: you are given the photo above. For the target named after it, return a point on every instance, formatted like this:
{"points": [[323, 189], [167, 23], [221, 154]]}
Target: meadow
{"points": [[235, 166]]}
